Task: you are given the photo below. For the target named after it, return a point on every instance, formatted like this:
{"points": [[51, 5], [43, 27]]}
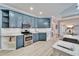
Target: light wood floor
{"points": [[40, 48]]}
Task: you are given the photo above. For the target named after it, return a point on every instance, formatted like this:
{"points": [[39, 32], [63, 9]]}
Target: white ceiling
{"points": [[48, 9]]}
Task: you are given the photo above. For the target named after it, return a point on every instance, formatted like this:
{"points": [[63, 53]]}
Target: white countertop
{"points": [[11, 34], [69, 45]]}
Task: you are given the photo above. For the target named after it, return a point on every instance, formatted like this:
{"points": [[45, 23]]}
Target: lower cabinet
{"points": [[42, 36], [35, 37], [39, 37], [19, 41]]}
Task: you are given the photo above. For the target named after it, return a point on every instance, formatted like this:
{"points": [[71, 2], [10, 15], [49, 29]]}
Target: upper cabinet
{"points": [[35, 37], [19, 21], [12, 19], [16, 19], [43, 23], [27, 21], [34, 22]]}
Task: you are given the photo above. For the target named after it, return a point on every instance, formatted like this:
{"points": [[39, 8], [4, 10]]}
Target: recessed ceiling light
{"points": [[31, 8], [41, 13]]}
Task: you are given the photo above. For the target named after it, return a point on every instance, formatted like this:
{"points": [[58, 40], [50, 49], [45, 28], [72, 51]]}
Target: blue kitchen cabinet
{"points": [[42, 36], [16, 19], [12, 19], [20, 41], [19, 21], [39, 37], [34, 22], [35, 37], [43, 23], [27, 21], [30, 20], [24, 19]]}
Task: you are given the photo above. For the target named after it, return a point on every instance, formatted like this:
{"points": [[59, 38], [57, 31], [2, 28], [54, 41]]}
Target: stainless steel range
{"points": [[27, 38]]}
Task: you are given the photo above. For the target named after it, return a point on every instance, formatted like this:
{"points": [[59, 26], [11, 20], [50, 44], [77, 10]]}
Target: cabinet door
{"points": [[42, 36], [27, 20], [34, 22], [43, 23], [35, 37], [30, 20], [19, 20], [12, 19], [24, 19], [20, 41]]}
